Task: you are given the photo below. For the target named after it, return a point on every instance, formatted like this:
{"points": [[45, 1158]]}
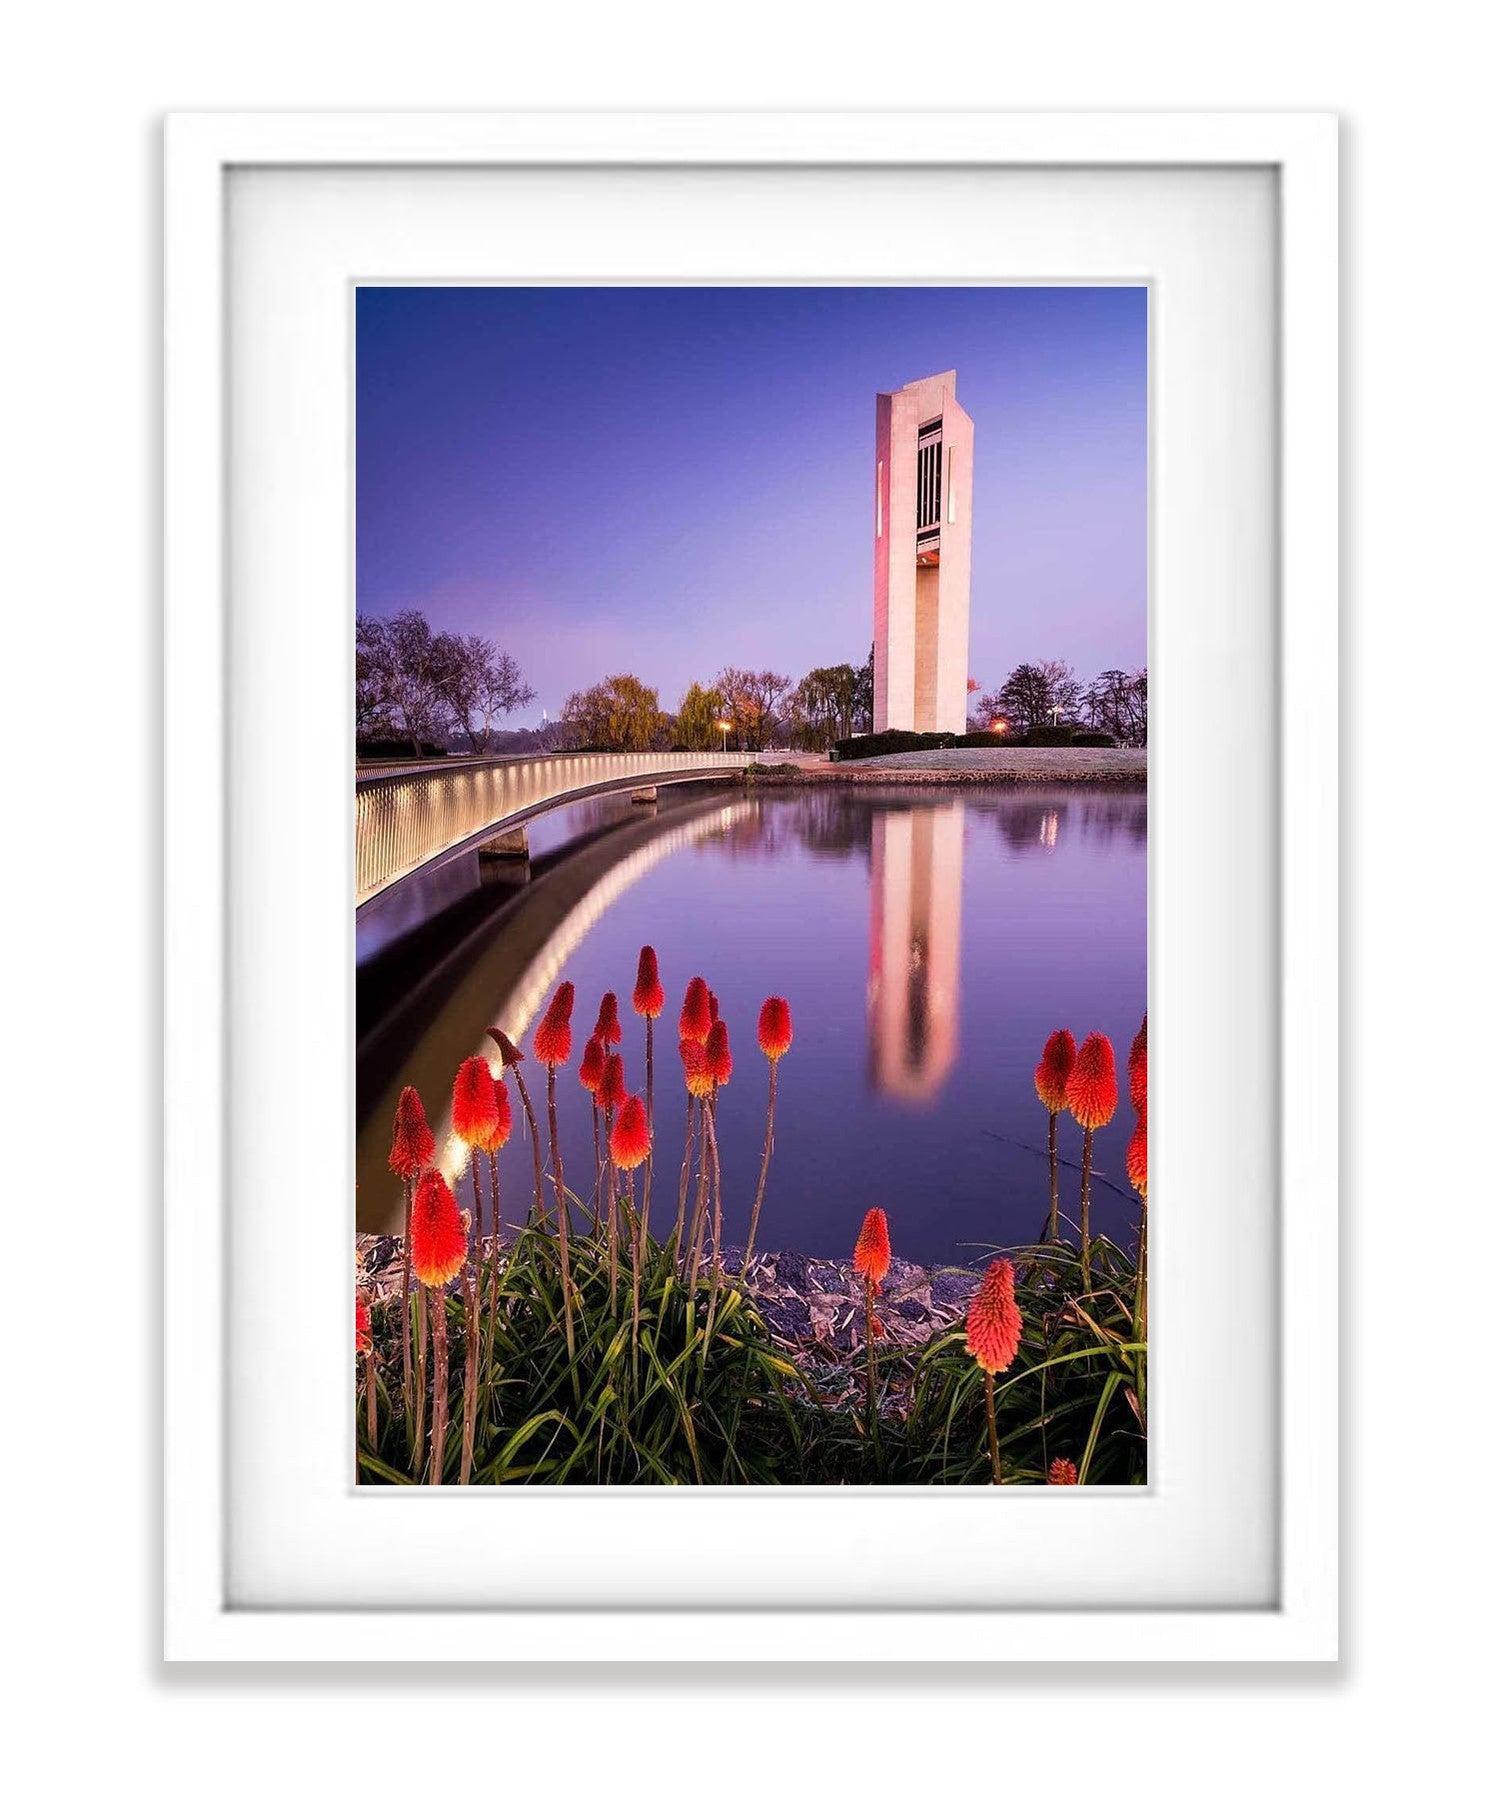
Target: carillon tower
{"points": [[923, 536]]}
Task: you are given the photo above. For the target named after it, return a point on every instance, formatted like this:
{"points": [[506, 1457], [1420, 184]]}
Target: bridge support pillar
{"points": [[644, 796], [509, 846]]}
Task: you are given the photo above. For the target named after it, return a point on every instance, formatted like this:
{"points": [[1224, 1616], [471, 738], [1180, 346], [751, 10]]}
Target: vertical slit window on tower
{"points": [[879, 499], [952, 504]]}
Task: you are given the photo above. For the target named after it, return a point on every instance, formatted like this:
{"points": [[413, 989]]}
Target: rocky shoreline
{"points": [[813, 1308]]}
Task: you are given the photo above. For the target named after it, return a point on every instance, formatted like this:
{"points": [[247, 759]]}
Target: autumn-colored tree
{"points": [[750, 700], [620, 713]]}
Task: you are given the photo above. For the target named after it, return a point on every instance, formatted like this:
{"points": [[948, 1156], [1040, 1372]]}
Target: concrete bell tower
{"points": [[923, 541]]}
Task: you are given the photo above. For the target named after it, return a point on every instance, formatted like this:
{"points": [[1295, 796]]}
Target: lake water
{"points": [[928, 940]]}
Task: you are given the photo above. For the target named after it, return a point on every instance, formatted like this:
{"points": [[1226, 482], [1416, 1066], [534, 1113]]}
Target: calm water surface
{"points": [[928, 940]]}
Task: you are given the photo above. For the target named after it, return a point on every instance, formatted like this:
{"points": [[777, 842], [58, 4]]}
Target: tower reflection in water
{"points": [[915, 934]]}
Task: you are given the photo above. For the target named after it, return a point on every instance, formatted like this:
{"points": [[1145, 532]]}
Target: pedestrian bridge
{"points": [[420, 815]]}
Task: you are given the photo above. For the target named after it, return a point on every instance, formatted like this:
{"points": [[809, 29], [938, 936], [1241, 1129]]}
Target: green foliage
{"points": [[678, 1402], [890, 743], [698, 719], [683, 1402], [621, 713]]}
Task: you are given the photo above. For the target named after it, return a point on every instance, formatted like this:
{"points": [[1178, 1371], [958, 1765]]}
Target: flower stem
{"points": [[470, 1371], [869, 1351], [1087, 1251], [421, 1377], [993, 1429], [371, 1408], [770, 1124], [1051, 1151], [525, 1100], [562, 1230], [406, 1311], [439, 1389], [679, 1239]]}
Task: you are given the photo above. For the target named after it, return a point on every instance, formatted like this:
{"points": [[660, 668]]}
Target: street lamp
{"points": [[723, 725]]}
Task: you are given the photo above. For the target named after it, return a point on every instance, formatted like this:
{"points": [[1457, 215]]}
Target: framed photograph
{"points": [[674, 876]]}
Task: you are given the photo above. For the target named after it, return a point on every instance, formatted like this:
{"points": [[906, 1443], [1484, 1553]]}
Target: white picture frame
{"points": [[208, 778]]}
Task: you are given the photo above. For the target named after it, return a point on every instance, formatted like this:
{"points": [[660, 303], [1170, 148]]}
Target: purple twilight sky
{"points": [[663, 480]]}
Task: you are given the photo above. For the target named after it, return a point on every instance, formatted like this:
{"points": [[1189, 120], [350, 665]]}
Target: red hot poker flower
{"points": [[591, 1068], [716, 1052], [775, 1028], [695, 1070], [630, 1140], [499, 1132], [1093, 1086], [412, 1145], [1062, 1473], [1137, 1075], [612, 1082], [1053, 1069], [994, 1319], [697, 1015], [1134, 1156], [439, 1241], [608, 1029], [475, 1114], [712, 1008], [872, 1251], [649, 998], [363, 1341], [553, 1042]]}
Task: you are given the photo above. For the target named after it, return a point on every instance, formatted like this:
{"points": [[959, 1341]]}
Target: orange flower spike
{"points": [[412, 1145], [872, 1251], [712, 1008], [612, 1082], [1062, 1473], [439, 1239], [695, 1070], [775, 1028], [553, 1042], [474, 1109], [1137, 1076], [994, 1319], [591, 1068], [364, 1342], [1134, 1156], [630, 1140], [1053, 1069], [499, 1131], [716, 1053], [649, 998], [697, 1015], [1093, 1085], [608, 1030]]}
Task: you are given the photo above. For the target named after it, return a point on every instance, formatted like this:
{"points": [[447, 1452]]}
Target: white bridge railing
{"points": [[409, 817]]}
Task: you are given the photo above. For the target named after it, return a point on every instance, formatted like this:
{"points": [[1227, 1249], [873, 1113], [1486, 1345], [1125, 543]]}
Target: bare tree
{"points": [[1025, 696], [413, 660], [1117, 702], [373, 684], [479, 684]]}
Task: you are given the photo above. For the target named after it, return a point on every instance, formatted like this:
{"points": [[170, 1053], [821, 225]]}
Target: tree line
{"points": [[740, 708], [1051, 693], [432, 688], [421, 686]]}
